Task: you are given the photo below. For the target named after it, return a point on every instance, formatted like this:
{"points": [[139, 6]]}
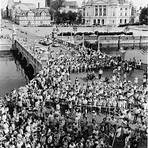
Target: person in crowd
{"points": [[52, 111]]}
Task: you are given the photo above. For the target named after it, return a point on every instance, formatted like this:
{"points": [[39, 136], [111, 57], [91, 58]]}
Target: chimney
{"points": [[38, 5]]}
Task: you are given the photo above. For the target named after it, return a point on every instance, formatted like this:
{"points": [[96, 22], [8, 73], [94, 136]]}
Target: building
{"points": [[27, 14], [137, 15], [106, 12], [33, 17], [69, 6], [18, 7]]}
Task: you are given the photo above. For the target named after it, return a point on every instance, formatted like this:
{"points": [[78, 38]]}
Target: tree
{"points": [[57, 17], [143, 18], [55, 4], [72, 17], [48, 2], [79, 18]]}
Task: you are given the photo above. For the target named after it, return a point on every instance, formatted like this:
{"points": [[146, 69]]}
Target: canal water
{"points": [[12, 74]]}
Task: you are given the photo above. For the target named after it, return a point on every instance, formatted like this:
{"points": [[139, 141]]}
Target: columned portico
{"points": [[108, 12]]}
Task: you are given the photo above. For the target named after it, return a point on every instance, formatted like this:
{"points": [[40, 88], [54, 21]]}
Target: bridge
{"points": [[34, 64], [28, 59]]}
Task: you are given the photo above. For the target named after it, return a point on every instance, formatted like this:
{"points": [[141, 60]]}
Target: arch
{"points": [[24, 61], [15, 52], [29, 70], [19, 56]]}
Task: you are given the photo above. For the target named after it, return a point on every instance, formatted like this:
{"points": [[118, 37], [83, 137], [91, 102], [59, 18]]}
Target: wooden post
{"points": [[133, 42], [140, 42], [119, 42], [114, 138], [98, 43], [83, 40]]}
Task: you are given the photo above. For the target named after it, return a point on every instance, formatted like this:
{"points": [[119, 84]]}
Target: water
{"points": [[11, 73]]}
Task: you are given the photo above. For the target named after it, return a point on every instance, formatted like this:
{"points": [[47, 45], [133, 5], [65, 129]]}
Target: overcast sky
{"points": [[137, 3]]}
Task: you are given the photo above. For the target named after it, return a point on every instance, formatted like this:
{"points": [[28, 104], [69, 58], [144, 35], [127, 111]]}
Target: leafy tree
{"points": [[64, 17], [143, 18], [72, 17], [48, 2], [57, 17], [79, 17], [55, 4], [51, 12]]}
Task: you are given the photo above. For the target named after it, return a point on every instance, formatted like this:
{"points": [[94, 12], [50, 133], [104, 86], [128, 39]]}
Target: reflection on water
{"points": [[11, 73]]}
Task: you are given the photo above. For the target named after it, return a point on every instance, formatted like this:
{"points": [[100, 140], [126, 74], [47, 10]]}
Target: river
{"points": [[11, 73]]}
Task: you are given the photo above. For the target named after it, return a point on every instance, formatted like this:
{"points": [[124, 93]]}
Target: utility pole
{"points": [[98, 43]]}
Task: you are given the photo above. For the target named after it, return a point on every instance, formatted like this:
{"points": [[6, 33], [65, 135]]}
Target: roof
{"points": [[37, 12], [90, 2]]}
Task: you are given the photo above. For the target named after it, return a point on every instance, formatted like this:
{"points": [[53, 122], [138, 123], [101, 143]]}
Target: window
{"points": [[104, 10], [125, 8], [120, 14], [125, 21], [96, 11], [120, 8], [113, 13], [113, 21], [120, 21], [125, 14], [87, 13], [94, 22], [100, 10], [103, 22], [84, 21], [84, 12], [98, 21]]}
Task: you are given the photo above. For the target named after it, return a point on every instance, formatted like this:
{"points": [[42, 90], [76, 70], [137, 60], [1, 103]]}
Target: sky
{"points": [[137, 3]]}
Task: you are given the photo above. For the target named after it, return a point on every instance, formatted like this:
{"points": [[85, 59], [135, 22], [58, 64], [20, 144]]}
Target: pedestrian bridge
{"points": [[27, 58]]}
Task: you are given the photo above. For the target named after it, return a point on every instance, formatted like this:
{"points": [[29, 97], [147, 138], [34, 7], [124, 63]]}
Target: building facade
{"points": [[28, 14], [34, 17], [106, 12]]}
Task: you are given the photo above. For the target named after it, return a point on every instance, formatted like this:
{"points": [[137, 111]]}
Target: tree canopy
{"points": [[69, 17], [143, 18], [62, 17], [55, 4]]}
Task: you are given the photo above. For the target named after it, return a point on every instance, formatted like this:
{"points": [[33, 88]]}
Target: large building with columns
{"points": [[106, 12]]}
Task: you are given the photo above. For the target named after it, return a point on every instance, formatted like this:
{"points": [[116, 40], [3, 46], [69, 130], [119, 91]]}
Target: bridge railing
{"points": [[28, 53]]}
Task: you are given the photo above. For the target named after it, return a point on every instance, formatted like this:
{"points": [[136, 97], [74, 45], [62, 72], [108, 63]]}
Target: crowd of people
{"points": [[52, 112]]}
